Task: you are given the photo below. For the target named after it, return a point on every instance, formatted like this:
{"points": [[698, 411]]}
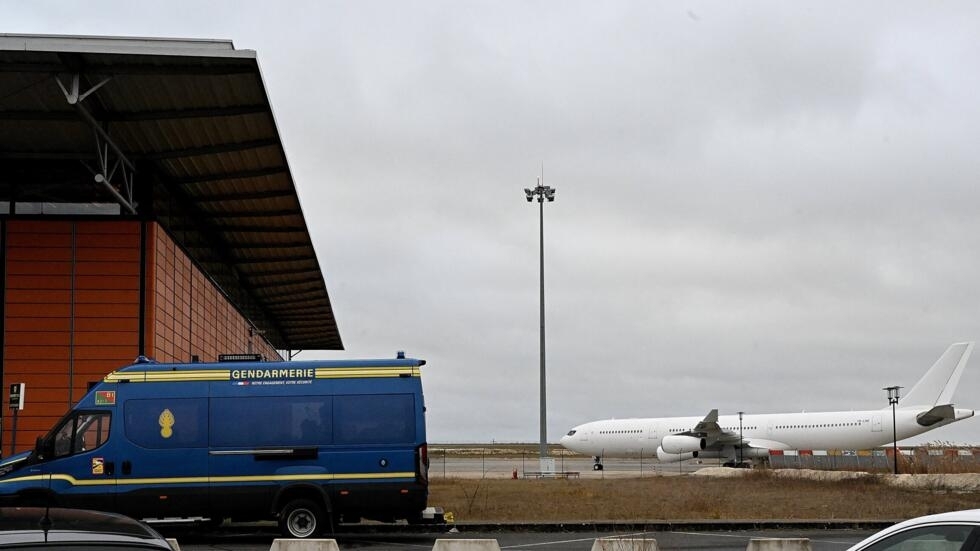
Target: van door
{"points": [[162, 464], [78, 460], [260, 444]]}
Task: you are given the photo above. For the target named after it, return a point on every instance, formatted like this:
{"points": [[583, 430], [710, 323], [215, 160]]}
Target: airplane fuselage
{"points": [[926, 406], [850, 430]]}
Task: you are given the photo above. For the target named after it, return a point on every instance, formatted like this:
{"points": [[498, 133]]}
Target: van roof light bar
{"points": [[239, 357]]}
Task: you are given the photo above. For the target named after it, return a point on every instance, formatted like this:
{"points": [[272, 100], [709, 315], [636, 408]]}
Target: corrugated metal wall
{"points": [[71, 312]]}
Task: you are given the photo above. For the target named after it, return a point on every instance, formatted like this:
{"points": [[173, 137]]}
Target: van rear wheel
{"points": [[302, 518]]}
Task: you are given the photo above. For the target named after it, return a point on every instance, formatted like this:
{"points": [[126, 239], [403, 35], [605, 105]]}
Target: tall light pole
{"points": [[893, 400], [542, 192]]}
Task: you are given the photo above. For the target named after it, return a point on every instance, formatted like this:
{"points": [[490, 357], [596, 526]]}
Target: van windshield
{"points": [[78, 432]]}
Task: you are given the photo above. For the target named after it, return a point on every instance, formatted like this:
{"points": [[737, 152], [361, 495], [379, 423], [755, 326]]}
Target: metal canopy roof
{"points": [[177, 131]]}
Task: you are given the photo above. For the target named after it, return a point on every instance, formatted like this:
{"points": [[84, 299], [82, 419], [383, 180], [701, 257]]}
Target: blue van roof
{"points": [[151, 365], [151, 371]]}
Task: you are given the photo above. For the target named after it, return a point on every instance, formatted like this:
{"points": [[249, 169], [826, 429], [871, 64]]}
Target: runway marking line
{"points": [[578, 540], [755, 536]]}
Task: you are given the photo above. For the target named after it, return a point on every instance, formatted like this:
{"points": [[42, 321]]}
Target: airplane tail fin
{"points": [[937, 386]]}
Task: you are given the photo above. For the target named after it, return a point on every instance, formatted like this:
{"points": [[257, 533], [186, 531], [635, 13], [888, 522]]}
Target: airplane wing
{"points": [[716, 437], [707, 426], [712, 433]]}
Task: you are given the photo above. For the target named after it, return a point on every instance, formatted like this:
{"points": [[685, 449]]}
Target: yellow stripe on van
{"points": [[360, 372], [213, 480], [225, 374], [168, 376]]}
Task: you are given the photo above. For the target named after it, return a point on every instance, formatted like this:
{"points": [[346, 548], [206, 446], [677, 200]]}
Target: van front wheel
{"points": [[301, 518]]}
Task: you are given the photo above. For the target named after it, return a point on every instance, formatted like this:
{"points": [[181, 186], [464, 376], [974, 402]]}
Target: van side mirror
{"points": [[39, 451]]}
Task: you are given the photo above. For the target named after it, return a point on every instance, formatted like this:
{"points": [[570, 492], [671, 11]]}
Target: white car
{"points": [[955, 531]]}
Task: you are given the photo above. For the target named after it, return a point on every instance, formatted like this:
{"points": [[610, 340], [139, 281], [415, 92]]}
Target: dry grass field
{"points": [[757, 496]]}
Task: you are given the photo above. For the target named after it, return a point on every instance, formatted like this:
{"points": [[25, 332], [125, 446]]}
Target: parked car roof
{"points": [[969, 517], [58, 528]]}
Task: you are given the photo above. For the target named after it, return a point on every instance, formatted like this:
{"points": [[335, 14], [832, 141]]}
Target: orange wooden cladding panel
{"points": [[41, 380], [34, 296], [52, 310], [37, 227], [37, 324], [106, 338], [36, 241], [108, 282], [39, 280], [38, 254], [40, 338], [107, 297], [30, 268], [32, 352], [108, 268], [115, 356], [95, 313], [130, 241], [107, 255], [109, 228]]}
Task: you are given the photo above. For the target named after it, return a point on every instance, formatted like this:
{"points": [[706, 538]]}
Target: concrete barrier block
{"points": [[280, 544], [625, 544], [778, 544], [173, 544], [465, 545]]}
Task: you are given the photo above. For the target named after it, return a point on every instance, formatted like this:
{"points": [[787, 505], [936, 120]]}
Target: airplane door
{"points": [[876, 423]]}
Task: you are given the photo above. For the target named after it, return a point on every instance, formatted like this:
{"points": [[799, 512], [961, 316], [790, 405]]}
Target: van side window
{"points": [[167, 423], [264, 421], [82, 432], [374, 419]]}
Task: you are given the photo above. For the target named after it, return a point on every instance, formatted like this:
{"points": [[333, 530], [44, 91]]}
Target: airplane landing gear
{"points": [[598, 464]]}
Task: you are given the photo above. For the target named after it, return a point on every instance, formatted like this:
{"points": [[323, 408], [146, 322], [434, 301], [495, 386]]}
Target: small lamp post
{"points": [[740, 438], [893, 400]]}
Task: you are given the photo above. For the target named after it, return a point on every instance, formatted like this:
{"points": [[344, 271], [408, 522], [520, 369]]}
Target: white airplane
{"points": [[927, 406]]}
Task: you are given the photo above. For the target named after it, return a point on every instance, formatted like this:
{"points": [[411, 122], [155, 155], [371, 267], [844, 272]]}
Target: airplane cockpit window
{"points": [[571, 433]]}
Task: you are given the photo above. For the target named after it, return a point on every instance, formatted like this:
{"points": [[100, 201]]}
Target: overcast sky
{"points": [[761, 206]]}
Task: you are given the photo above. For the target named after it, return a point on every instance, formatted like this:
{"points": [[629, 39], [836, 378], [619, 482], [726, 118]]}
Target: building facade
{"points": [[82, 298]]}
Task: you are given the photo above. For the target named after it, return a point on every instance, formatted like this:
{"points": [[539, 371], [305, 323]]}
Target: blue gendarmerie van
{"points": [[308, 443]]}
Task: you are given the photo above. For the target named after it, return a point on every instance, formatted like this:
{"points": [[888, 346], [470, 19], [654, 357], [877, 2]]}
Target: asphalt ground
{"points": [[541, 539]]}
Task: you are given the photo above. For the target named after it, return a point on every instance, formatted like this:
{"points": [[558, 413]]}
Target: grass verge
{"points": [[757, 497]]}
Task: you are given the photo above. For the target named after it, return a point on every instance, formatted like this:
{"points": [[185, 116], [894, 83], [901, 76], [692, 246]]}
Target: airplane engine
{"points": [[674, 457], [755, 453], [673, 443]]}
